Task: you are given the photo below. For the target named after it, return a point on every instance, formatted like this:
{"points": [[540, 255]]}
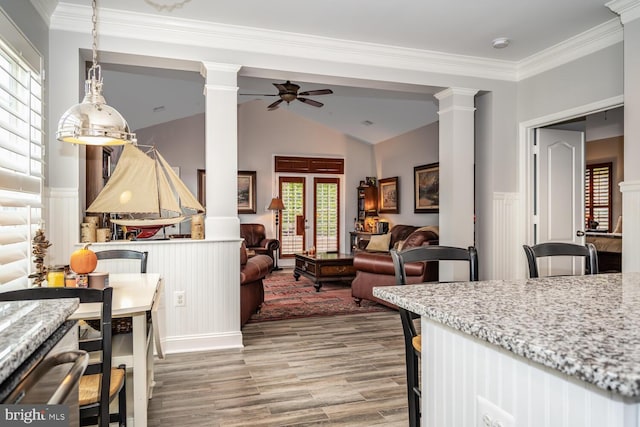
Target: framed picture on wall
{"points": [[426, 188], [389, 198], [246, 192]]}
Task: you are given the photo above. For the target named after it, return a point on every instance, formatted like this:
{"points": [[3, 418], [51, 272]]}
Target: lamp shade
{"points": [[93, 122], [276, 204]]}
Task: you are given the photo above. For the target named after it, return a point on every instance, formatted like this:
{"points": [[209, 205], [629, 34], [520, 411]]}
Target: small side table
{"points": [[357, 236]]}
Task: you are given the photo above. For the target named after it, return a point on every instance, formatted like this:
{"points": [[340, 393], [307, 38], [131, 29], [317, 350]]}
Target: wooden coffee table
{"points": [[324, 267]]}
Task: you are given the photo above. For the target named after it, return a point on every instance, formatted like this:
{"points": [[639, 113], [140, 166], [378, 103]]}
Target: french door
{"points": [[320, 218]]}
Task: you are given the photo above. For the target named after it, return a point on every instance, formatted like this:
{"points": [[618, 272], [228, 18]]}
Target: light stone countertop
{"points": [[587, 327], [25, 325]]}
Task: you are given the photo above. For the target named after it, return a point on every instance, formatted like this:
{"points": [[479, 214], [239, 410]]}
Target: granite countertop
{"points": [[587, 327], [25, 325]]}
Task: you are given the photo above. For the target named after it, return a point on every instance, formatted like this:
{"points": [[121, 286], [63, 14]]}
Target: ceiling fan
{"points": [[289, 92]]}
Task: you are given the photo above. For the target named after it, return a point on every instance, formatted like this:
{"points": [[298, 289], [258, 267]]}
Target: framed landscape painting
{"points": [[246, 192], [426, 184], [389, 196]]}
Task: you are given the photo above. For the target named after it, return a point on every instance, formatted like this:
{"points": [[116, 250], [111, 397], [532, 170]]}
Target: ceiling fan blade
{"points": [[310, 102], [317, 92], [274, 105], [281, 87]]}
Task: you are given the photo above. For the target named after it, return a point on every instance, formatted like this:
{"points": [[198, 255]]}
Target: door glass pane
{"points": [[291, 236], [326, 215]]}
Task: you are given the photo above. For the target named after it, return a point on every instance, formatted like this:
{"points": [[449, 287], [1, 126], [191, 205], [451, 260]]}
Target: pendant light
{"points": [[93, 122]]}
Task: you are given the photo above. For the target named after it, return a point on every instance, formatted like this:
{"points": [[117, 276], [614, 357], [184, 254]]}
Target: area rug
{"points": [[286, 298]]}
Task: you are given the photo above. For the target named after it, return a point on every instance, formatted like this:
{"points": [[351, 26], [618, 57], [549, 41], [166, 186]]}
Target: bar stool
{"points": [[412, 340], [548, 249]]}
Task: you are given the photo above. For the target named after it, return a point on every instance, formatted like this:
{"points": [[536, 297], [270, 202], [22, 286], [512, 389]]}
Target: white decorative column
{"points": [[457, 159], [221, 150], [222, 225], [629, 11]]}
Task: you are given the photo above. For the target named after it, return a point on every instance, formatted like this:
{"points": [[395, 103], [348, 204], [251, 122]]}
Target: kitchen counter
{"points": [[25, 325], [587, 327], [480, 339]]}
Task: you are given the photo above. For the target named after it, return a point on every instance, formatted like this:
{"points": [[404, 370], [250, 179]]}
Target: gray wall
{"points": [[397, 157], [592, 78]]}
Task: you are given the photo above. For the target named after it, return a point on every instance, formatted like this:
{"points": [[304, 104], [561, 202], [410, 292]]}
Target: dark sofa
{"points": [[376, 268], [252, 271], [255, 237]]}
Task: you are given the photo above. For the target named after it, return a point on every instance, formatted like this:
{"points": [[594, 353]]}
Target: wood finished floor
{"points": [[323, 371]]}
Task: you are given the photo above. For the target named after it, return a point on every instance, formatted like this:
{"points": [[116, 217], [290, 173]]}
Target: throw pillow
{"points": [[379, 243], [433, 228]]}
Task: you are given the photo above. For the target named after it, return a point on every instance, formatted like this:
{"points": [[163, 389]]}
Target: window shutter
{"points": [[21, 164], [598, 188]]}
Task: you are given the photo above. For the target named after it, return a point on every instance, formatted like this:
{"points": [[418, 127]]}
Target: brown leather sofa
{"points": [[255, 238], [252, 271], [376, 268]]}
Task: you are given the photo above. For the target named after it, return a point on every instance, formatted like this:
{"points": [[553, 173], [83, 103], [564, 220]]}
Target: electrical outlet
{"points": [[179, 299], [490, 415]]}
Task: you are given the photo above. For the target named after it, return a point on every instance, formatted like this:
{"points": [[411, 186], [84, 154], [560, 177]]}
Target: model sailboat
{"points": [[146, 193]]}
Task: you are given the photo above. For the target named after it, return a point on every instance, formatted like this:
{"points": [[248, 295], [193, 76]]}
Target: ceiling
{"points": [[456, 27]]}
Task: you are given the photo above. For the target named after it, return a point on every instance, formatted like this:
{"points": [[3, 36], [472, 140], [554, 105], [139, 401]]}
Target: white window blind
{"points": [[292, 194], [21, 164], [327, 213]]}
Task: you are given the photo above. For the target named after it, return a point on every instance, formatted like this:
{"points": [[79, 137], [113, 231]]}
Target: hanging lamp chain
{"points": [[94, 33], [94, 75]]}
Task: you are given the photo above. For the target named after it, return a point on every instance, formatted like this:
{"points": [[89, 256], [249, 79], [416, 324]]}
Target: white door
{"points": [[560, 169]]}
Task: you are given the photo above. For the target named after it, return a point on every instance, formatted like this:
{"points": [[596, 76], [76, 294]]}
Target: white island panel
{"points": [[459, 369]]}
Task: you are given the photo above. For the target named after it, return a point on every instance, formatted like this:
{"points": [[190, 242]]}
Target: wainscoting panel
{"points": [[462, 372], [507, 257], [208, 272]]}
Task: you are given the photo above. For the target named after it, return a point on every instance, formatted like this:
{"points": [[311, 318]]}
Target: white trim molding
{"points": [[629, 10], [162, 29]]}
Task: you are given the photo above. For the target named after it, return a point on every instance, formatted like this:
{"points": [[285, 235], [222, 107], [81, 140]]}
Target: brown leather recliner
{"points": [[376, 268], [252, 271], [255, 238]]}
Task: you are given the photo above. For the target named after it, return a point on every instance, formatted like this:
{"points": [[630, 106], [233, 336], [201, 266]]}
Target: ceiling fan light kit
{"points": [[289, 92]]}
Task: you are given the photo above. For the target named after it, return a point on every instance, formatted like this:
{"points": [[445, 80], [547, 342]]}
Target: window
{"points": [[21, 158], [597, 193], [292, 226], [327, 211]]}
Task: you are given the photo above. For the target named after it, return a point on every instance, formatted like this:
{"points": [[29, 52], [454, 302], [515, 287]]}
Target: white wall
{"points": [[397, 157]]}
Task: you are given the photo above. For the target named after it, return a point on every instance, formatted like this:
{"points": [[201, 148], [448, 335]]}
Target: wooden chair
{"points": [[412, 340], [96, 390], [125, 254], [548, 249]]}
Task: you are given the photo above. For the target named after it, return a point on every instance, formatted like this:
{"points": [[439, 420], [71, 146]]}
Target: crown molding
{"points": [[77, 18], [590, 41], [172, 30], [45, 9], [629, 10]]}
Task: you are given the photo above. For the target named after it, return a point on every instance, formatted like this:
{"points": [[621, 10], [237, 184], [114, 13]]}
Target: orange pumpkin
{"points": [[83, 261]]}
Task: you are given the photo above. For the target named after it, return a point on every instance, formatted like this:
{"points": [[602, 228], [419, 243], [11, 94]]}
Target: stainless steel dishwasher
{"points": [[51, 374]]}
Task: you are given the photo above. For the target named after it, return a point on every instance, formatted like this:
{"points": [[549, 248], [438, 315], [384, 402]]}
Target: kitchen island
{"points": [[28, 328], [561, 351]]}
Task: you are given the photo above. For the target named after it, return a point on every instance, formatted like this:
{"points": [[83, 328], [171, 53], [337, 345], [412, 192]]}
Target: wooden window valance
{"points": [[309, 165]]}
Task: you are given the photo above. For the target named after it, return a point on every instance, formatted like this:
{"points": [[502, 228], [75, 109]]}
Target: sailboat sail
{"points": [[146, 188]]}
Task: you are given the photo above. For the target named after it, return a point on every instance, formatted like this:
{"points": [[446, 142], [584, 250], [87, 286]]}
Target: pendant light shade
{"points": [[93, 122]]}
